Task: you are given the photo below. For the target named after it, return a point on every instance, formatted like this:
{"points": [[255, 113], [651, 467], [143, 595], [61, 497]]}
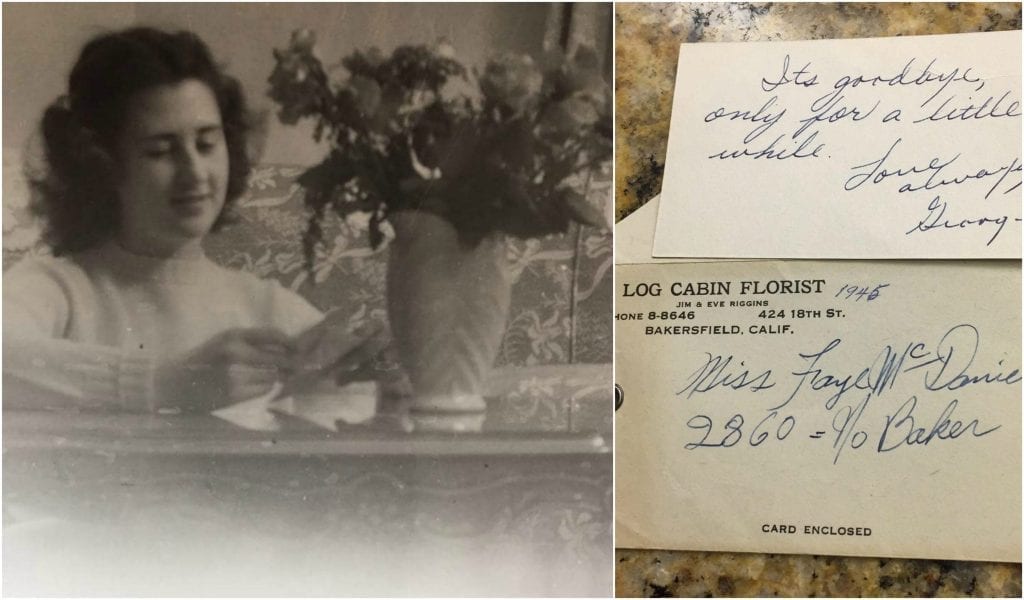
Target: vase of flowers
{"points": [[454, 160]]}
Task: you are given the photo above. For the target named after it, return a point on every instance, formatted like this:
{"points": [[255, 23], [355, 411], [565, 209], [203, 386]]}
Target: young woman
{"points": [[146, 155]]}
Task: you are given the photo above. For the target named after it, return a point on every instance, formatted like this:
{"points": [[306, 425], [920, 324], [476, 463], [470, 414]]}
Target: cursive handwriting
{"points": [[949, 365], [801, 76], [801, 151], [834, 111], [903, 78], [903, 426], [877, 377], [715, 373], [859, 420], [878, 171], [935, 219], [954, 357], [970, 112], [763, 115]]}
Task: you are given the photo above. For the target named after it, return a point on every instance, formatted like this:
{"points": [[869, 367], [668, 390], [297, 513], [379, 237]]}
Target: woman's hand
{"points": [[334, 350], [235, 365]]}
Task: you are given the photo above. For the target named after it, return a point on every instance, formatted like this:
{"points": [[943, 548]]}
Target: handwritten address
{"points": [[855, 401]]}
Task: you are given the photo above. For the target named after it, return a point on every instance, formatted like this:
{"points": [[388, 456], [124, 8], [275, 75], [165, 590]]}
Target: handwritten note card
{"points": [[905, 147], [852, 408]]}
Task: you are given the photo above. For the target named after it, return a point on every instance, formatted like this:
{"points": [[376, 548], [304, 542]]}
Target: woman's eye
{"points": [[157, 151], [207, 144]]}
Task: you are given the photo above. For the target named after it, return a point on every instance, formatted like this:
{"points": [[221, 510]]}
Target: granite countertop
{"points": [[647, 42]]}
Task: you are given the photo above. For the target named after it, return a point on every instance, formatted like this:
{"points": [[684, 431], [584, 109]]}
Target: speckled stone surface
{"points": [[696, 574], [647, 45], [647, 39]]}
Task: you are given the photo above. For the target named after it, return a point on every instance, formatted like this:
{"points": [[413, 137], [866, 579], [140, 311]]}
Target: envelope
{"points": [[817, 407], [635, 233]]}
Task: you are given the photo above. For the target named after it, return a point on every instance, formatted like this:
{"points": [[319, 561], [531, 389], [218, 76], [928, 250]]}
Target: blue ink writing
{"points": [[903, 427], [935, 220], [807, 81], [715, 373]]}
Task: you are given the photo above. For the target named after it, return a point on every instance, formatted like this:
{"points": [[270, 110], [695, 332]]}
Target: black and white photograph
{"points": [[307, 299]]}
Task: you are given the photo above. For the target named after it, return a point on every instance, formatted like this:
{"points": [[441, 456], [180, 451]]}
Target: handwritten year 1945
{"points": [[852, 291]]}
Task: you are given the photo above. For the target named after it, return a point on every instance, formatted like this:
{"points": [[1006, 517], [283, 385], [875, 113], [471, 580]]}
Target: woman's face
{"points": [[174, 168]]}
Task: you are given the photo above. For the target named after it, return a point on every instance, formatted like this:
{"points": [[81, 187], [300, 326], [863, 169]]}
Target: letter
{"points": [[878, 127], [859, 179], [892, 115], [769, 86]]}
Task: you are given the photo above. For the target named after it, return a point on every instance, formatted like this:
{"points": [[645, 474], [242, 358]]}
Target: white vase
{"points": [[448, 305]]}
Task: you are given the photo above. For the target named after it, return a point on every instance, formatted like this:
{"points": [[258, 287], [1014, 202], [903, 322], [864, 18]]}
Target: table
{"points": [[191, 505]]}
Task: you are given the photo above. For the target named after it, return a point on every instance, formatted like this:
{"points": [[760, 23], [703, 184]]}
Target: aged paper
{"points": [[849, 408], [633, 236], [904, 147]]}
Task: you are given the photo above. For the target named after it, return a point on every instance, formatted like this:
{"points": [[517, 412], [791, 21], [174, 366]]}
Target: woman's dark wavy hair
{"points": [[76, 193]]}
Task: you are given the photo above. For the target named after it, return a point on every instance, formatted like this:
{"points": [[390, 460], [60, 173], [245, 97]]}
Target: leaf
{"points": [[333, 171]]}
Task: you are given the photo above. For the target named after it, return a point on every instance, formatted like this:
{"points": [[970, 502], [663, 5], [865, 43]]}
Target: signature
{"points": [[936, 219]]}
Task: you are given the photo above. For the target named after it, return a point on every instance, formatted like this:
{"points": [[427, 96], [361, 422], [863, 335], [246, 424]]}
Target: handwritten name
{"points": [[950, 367], [945, 366], [936, 220]]}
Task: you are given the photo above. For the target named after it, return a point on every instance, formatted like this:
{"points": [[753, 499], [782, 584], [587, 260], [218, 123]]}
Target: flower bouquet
{"points": [[490, 151], [454, 158]]}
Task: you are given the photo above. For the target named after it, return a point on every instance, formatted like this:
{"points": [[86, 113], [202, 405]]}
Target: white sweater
{"points": [[89, 330]]}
